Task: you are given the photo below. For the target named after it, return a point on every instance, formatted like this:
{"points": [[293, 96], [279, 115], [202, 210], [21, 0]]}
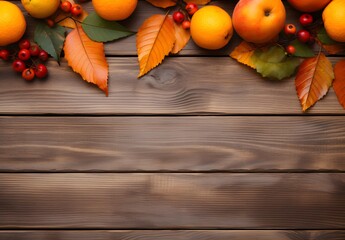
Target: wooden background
{"points": [[200, 148]]}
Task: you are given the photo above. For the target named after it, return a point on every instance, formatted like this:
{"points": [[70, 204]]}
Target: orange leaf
{"points": [[314, 77], [339, 82], [162, 3], [87, 58], [243, 53], [64, 20], [199, 2], [182, 38], [155, 40], [334, 49]]}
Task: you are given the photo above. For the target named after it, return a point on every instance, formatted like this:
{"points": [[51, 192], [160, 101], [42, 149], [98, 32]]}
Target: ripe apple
{"points": [[309, 5], [259, 21]]}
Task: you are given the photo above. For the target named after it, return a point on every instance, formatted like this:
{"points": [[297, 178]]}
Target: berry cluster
{"points": [[28, 60], [75, 9], [183, 16], [303, 35]]}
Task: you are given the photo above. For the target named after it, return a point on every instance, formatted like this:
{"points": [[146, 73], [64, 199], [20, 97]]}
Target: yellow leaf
{"points": [[199, 2], [339, 82], [162, 3], [87, 58], [243, 54], [314, 77], [155, 40], [64, 19], [182, 38]]}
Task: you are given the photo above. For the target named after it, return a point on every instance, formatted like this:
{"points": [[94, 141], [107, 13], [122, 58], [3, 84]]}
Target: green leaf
{"points": [[302, 50], [273, 63], [324, 38], [50, 39], [101, 30]]}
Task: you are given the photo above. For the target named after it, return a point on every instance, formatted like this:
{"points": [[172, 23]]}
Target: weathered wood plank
{"points": [[173, 235], [173, 201], [190, 85], [172, 144]]}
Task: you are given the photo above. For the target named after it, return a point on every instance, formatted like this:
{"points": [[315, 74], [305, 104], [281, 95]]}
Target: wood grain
{"points": [[190, 85], [173, 235], [172, 144], [172, 201]]}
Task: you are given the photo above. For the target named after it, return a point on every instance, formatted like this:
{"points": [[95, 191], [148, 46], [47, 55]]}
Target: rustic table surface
{"points": [[200, 148]]}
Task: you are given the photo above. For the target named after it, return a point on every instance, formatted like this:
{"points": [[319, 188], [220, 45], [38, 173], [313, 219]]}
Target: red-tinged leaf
{"points": [[182, 38], [155, 40], [87, 58], [199, 2], [162, 3], [339, 82], [64, 20], [243, 54], [334, 49], [314, 77]]}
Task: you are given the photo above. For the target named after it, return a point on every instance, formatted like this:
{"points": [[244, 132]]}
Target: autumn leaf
{"points": [[50, 39], [243, 53], [273, 63], [339, 82], [182, 38], [199, 2], [64, 19], [162, 3], [155, 40], [87, 58], [302, 49], [101, 30], [314, 77], [335, 48]]}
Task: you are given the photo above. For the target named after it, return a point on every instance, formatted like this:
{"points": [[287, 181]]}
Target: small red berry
{"points": [[178, 17], [50, 22], [18, 65], [34, 50], [76, 10], [41, 71], [24, 54], [306, 19], [191, 8], [24, 44], [290, 29], [186, 24], [43, 55], [4, 54], [28, 74], [303, 36], [290, 49], [66, 6]]}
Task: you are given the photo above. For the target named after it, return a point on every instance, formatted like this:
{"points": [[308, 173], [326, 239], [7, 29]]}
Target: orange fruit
{"points": [[334, 20], [41, 8], [12, 23], [309, 5], [211, 27], [114, 10], [259, 21]]}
